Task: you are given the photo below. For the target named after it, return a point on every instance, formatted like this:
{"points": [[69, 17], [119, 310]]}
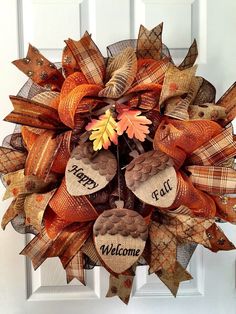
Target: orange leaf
{"points": [[103, 131], [133, 124]]}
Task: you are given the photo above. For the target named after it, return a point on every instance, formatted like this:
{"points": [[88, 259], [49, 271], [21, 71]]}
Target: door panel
{"points": [[46, 23]]}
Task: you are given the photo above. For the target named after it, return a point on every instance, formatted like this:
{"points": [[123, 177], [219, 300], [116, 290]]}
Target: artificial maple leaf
{"points": [[103, 131], [133, 124]]}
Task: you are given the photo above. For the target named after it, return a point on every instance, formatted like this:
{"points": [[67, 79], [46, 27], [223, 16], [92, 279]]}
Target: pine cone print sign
{"points": [[120, 236], [86, 174], [152, 178]]}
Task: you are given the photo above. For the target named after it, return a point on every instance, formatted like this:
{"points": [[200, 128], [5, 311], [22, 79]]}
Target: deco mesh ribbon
{"points": [[129, 118]]}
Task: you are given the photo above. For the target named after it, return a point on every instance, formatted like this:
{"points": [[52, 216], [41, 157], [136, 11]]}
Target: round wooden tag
{"points": [[152, 178], [85, 174], [120, 236]]}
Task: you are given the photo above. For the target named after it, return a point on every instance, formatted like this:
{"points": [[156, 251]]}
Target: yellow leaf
{"points": [[103, 131]]}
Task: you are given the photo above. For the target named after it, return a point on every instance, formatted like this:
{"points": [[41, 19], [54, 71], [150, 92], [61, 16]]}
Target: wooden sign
{"points": [[120, 236], [160, 189], [85, 174], [152, 178]]}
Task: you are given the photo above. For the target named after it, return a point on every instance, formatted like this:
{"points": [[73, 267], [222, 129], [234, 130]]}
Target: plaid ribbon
{"points": [[69, 64], [79, 238], [42, 247], [37, 247], [89, 59], [152, 72], [66, 245], [75, 268], [64, 239], [216, 151], [214, 180]]}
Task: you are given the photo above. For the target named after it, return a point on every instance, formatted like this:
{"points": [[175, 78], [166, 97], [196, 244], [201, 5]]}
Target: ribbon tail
{"points": [[120, 286], [75, 269], [228, 101], [36, 248], [173, 279], [74, 246], [190, 58], [39, 69], [149, 43], [218, 240], [10, 214]]}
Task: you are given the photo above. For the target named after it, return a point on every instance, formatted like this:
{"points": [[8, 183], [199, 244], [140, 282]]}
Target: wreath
{"points": [[119, 161]]}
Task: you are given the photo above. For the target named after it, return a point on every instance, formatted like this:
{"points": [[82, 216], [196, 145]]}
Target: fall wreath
{"points": [[119, 161]]}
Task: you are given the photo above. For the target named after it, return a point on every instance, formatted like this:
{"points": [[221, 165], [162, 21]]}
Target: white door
{"points": [[46, 23]]}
